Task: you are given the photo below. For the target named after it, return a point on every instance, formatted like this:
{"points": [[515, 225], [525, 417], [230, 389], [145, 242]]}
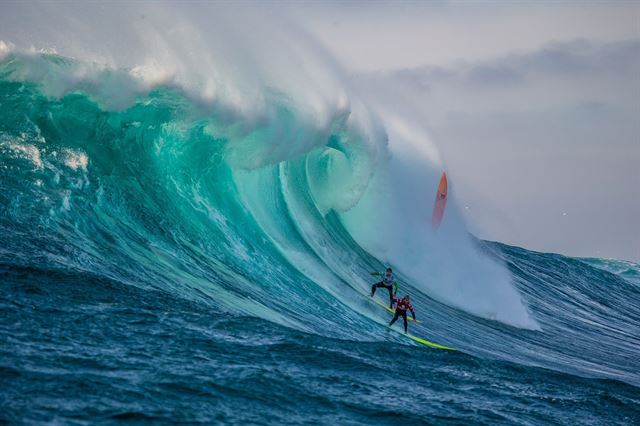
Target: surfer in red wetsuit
{"points": [[401, 310]]}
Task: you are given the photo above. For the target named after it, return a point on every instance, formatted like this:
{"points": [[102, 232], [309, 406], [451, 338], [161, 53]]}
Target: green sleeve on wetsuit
{"points": [[375, 274], [395, 287]]}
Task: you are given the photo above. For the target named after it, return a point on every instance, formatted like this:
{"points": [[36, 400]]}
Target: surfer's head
{"points": [[406, 297], [389, 271]]}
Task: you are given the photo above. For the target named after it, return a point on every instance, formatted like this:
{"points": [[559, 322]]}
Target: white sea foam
{"points": [[75, 159], [5, 49], [26, 151]]}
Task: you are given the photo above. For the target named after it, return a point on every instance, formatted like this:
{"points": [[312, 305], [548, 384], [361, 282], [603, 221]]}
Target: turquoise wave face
{"points": [[159, 194]]}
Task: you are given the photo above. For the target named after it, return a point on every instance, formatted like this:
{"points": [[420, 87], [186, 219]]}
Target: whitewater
{"points": [[189, 215]]}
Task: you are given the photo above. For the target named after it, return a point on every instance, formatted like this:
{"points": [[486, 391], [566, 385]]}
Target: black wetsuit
{"points": [[388, 283]]}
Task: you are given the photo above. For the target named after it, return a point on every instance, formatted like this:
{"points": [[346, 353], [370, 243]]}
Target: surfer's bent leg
{"points": [[404, 317], [390, 288], [395, 318], [376, 286]]}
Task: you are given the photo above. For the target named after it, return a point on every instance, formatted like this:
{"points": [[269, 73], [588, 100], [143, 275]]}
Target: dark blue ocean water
{"points": [[136, 286], [78, 348]]}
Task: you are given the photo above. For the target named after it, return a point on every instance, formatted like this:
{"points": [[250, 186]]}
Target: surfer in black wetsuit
{"points": [[389, 282], [401, 310]]}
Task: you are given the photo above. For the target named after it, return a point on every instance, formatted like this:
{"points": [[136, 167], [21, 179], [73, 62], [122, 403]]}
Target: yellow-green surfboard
{"points": [[414, 338]]}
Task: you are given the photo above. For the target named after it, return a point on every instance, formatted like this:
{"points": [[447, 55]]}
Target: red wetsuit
{"points": [[401, 311]]}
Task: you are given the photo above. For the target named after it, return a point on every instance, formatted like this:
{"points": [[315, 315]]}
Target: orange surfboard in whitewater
{"points": [[440, 203]]}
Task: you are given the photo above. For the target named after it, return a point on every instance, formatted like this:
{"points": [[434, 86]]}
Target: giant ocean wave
{"points": [[171, 190], [271, 194]]}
